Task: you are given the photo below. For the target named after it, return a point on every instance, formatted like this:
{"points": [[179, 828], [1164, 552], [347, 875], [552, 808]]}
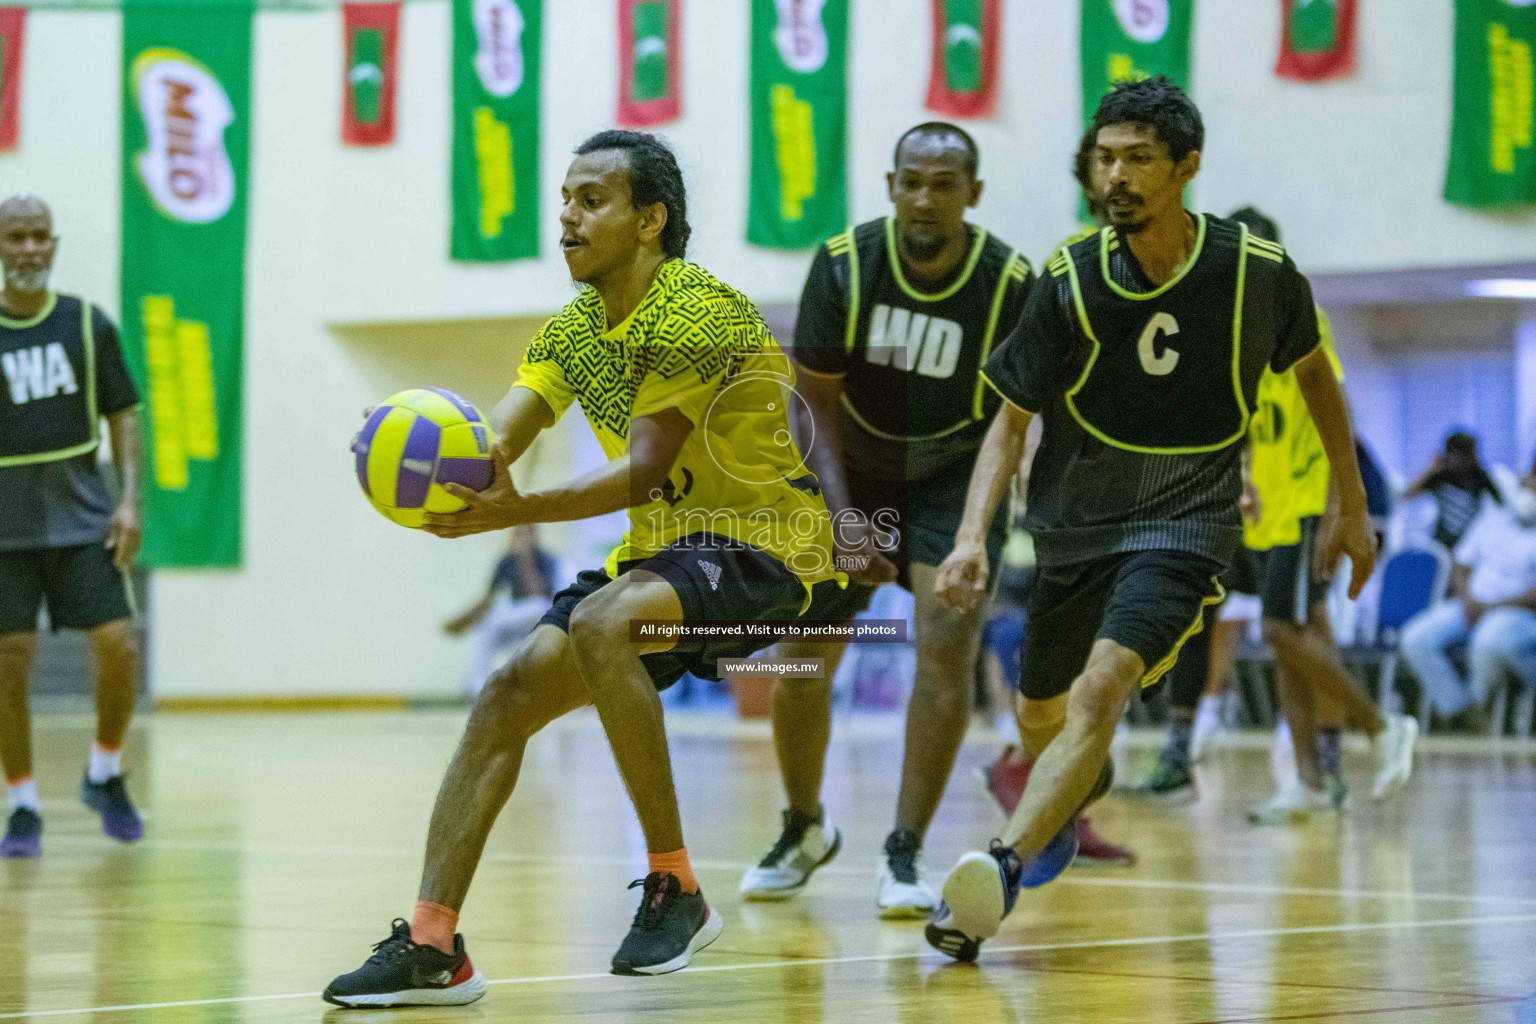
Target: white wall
{"points": [[332, 598]]}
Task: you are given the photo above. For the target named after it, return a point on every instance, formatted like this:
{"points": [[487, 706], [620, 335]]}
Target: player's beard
{"points": [[922, 246], [27, 281], [1127, 220]]}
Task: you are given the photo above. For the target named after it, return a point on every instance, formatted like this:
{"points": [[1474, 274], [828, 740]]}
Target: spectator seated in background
{"points": [[520, 592], [1492, 609], [1459, 482]]}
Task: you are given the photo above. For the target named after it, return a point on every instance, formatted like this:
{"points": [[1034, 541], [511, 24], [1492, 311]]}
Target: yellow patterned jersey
{"points": [[696, 345], [1290, 468]]}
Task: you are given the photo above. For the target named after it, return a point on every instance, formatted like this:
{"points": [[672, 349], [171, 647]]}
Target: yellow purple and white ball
{"points": [[413, 444]]}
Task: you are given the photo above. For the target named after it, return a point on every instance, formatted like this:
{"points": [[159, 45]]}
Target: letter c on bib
{"points": [[1158, 365]]}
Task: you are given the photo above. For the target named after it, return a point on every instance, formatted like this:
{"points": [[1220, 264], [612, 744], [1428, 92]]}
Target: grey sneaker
{"points": [[802, 847]]}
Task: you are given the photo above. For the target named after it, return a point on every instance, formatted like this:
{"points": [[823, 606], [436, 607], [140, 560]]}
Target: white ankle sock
{"points": [[104, 764], [23, 793]]}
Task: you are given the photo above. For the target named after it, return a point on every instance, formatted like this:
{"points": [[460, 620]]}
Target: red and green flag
{"points": [[497, 57], [1493, 106], [185, 186], [370, 34], [962, 79], [1317, 39], [650, 62], [799, 85], [13, 22]]}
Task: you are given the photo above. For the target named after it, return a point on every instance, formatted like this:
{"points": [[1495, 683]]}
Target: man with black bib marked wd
{"points": [[64, 541], [1141, 350]]}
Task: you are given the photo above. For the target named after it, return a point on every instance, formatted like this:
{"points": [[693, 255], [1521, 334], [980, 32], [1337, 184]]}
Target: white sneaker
{"points": [[1394, 755], [1282, 758], [1294, 805], [903, 893], [801, 849], [1207, 731]]}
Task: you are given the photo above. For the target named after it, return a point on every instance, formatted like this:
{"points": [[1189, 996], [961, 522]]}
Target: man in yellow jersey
{"points": [[686, 391], [1290, 470]]}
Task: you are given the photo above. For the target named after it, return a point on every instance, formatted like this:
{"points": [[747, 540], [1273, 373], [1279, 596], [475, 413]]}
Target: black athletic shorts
{"points": [[1147, 601], [1246, 573], [925, 517], [1289, 588], [81, 585], [716, 578]]}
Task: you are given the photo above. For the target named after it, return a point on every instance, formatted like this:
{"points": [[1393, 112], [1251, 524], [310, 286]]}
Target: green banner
{"points": [[1492, 162], [185, 154], [1133, 39], [497, 48], [799, 189]]}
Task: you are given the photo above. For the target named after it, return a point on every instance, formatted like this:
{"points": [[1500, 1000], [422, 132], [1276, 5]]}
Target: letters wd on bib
{"points": [[186, 139]]}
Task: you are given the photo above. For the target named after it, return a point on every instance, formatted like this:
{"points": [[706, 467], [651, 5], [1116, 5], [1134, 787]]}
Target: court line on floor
{"points": [[992, 951], [1330, 1014], [1236, 888]]}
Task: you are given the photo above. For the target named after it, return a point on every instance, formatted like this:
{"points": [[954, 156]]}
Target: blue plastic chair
{"points": [[1411, 581]]}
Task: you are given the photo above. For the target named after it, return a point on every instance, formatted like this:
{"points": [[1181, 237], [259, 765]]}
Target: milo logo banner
{"points": [[1493, 111], [496, 59], [799, 190], [1133, 39], [185, 182]]}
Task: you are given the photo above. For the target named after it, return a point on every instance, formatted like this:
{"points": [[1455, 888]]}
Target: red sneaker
{"points": [[1094, 849], [1005, 777]]}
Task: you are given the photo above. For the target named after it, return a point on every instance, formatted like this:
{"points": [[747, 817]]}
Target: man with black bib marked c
{"points": [[1141, 350]]}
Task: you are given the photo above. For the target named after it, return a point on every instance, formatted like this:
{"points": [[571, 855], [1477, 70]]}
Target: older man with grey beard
{"points": [[64, 541]]}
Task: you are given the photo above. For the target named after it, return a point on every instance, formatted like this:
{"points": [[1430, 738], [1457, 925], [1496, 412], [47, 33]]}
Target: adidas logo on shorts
{"points": [[713, 572]]}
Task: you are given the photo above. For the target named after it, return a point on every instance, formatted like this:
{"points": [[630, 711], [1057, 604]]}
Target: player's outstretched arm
{"points": [[962, 578], [1352, 533], [636, 478]]}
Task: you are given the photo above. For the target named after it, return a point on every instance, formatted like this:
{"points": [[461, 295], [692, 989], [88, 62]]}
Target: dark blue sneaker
{"points": [[670, 926], [1053, 860], [23, 834], [978, 894], [110, 800], [402, 973]]}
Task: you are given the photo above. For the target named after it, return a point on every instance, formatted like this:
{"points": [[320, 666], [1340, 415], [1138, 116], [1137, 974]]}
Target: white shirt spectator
{"points": [[1502, 555]]}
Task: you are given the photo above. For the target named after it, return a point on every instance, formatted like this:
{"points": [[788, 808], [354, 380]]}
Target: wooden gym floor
{"points": [[280, 846]]}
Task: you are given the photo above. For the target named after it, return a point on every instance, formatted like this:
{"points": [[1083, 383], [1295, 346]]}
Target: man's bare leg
{"points": [[1069, 768], [940, 709], [802, 726], [538, 685], [15, 718], [115, 651], [626, 699]]}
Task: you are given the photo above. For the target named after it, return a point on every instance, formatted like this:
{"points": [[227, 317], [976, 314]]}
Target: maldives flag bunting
{"points": [[12, 23], [1317, 39], [650, 62], [962, 79], [371, 33]]}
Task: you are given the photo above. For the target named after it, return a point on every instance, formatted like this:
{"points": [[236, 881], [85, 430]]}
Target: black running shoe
{"points": [[670, 926], [401, 973], [110, 800], [23, 835]]}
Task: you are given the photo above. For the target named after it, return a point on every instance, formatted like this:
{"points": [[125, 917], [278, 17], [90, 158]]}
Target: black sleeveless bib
{"points": [[917, 357], [48, 384], [1164, 372]]}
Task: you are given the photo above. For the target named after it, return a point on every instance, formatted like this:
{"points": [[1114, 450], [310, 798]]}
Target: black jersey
{"points": [[1146, 392], [60, 371], [913, 399]]}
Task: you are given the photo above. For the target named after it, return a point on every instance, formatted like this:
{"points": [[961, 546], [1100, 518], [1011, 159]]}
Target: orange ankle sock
{"points": [[433, 924], [675, 863]]}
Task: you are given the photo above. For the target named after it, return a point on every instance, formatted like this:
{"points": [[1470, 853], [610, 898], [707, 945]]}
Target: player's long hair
{"points": [[1159, 103], [654, 177]]}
